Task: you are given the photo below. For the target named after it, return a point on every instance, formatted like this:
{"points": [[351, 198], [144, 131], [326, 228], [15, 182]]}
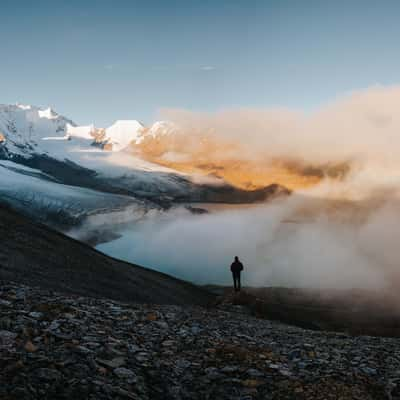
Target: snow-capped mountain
{"points": [[57, 170], [27, 130], [122, 133], [23, 128], [50, 168]]}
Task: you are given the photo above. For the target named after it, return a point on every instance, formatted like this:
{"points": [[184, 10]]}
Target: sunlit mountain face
{"points": [[208, 154]]}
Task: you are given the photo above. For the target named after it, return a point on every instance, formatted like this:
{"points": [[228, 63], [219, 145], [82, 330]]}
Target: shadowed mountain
{"points": [[36, 255]]}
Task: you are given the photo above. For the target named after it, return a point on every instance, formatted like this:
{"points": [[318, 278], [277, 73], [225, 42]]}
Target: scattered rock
{"points": [[55, 346], [168, 343], [124, 373], [30, 347], [114, 363], [7, 338], [252, 383], [151, 316], [48, 374], [35, 314]]}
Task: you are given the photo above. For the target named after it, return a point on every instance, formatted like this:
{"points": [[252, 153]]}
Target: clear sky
{"points": [[101, 60]]}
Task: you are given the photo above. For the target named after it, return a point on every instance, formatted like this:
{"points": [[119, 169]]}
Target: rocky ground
{"points": [[354, 311], [54, 346]]}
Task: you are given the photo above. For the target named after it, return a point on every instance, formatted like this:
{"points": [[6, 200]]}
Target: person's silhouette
{"points": [[236, 268]]}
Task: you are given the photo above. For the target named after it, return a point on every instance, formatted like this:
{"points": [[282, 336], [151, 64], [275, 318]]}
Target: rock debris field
{"points": [[54, 346]]}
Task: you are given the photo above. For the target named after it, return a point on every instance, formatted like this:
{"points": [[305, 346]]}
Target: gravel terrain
{"points": [[54, 346]]}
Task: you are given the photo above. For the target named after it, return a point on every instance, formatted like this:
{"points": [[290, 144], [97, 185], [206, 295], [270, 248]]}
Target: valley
{"points": [[199, 200]]}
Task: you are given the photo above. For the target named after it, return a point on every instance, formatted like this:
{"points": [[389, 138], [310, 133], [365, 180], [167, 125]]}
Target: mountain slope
{"points": [[24, 129], [39, 196], [81, 156], [33, 254]]}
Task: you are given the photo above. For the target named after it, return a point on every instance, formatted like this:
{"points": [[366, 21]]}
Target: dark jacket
{"points": [[236, 267]]}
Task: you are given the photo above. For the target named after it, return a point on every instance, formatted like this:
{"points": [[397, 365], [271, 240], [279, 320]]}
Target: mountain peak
{"points": [[23, 106], [122, 133], [47, 113]]}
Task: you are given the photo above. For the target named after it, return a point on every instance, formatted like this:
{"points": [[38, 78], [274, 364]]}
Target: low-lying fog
{"points": [[305, 240], [339, 234]]}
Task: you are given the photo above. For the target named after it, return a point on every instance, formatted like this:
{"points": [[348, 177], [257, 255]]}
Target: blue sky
{"points": [[97, 60]]}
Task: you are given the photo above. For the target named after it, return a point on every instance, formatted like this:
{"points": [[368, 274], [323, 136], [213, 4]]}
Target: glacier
{"points": [[40, 196]]}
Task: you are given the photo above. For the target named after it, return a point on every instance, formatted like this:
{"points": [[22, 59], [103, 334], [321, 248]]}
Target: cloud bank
{"points": [[362, 127], [339, 234]]}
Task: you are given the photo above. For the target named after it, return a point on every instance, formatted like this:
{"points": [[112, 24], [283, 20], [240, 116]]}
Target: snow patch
{"points": [[84, 132], [66, 137], [122, 133], [47, 113], [24, 106]]}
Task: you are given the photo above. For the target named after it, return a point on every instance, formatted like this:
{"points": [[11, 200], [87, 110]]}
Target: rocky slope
{"points": [[33, 254], [54, 346]]}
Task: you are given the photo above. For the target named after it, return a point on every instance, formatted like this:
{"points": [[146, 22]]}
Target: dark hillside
{"points": [[33, 254]]}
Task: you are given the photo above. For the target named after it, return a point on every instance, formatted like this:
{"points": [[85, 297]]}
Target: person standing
{"points": [[236, 268]]}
